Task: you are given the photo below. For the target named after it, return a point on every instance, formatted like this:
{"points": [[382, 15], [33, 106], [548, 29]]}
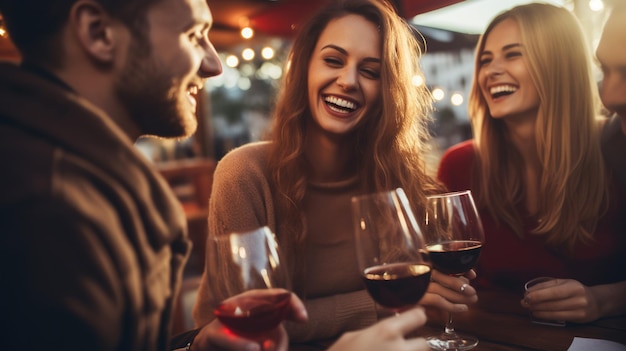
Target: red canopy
{"points": [[280, 18]]}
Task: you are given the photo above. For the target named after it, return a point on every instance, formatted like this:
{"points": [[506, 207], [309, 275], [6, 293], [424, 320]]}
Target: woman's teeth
{"points": [[340, 105]]}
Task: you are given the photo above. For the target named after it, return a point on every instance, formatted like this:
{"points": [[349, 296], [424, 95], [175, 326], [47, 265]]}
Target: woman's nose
{"points": [[495, 67], [348, 79]]}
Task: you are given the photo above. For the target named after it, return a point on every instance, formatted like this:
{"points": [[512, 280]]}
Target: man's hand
{"points": [[215, 336]]}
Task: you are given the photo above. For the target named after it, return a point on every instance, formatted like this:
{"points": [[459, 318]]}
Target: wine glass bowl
{"points": [[454, 238], [391, 254], [254, 311], [455, 257], [250, 281]]}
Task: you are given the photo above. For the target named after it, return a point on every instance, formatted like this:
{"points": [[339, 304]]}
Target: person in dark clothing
{"points": [[93, 241], [611, 56]]}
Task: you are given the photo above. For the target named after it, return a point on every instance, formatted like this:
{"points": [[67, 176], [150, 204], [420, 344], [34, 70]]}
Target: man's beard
{"points": [[153, 98]]}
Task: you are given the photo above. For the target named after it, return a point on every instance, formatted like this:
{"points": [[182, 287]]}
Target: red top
{"points": [[507, 261]]}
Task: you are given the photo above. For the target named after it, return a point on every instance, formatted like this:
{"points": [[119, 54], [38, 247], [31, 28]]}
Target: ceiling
{"points": [[280, 18], [269, 18]]}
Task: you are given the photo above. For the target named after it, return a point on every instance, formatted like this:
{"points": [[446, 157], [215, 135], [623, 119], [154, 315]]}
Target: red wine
{"points": [[254, 313], [455, 257], [397, 285]]}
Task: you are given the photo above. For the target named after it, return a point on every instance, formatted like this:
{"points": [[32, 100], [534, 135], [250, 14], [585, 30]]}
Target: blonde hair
{"points": [[572, 180], [389, 144]]}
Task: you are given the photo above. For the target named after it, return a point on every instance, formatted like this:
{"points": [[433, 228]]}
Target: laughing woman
{"points": [[547, 205], [348, 121]]}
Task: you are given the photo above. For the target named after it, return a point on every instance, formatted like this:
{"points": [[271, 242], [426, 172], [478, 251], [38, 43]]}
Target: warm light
{"points": [[247, 54], [242, 252], [417, 80], [438, 94], [244, 83], [270, 71], [596, 5], [247, 32], [232, 61], [3, 31], [456, 99], [247, 70], [267, 53]]}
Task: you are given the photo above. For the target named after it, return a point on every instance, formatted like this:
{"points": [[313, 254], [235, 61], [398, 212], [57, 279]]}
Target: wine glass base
{"points": [[451, 342]]}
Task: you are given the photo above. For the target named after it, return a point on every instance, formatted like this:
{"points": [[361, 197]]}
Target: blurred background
{"points": [[253, 38]]}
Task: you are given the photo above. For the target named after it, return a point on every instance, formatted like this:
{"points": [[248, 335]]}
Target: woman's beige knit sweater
{"points": [[242, 200]]}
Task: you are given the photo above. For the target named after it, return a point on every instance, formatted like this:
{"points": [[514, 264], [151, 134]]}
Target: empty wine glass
{"points": [[454, 238], [391, 253], [248, 271]]}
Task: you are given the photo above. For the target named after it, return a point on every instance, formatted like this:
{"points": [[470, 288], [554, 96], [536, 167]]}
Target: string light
{"points": [[3, 31], [232, 61], [417, 80], [456, 99], [267, 53], [248, 54], [596, 5], [438, 94], [247, 32]]}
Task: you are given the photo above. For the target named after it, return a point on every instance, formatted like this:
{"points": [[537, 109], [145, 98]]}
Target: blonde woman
{"points": [[536, 167], [348, 121]]}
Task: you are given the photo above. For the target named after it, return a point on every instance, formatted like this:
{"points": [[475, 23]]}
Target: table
{"points": [[500, 323]]}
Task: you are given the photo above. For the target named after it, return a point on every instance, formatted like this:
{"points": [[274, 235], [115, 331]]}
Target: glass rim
{"points": [[451, 193]]}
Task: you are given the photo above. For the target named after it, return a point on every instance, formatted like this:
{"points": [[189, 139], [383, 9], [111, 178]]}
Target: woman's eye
{"points": [[483, 61], [370, 73], [513, 54], [332, 61]]}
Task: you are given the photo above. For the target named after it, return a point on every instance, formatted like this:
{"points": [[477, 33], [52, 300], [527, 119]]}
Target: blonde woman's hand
{"points": [[564, 299]]}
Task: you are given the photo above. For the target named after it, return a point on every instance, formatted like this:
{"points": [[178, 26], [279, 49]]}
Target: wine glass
{"points": [[391, 253], [246, 268], [454, 238]]}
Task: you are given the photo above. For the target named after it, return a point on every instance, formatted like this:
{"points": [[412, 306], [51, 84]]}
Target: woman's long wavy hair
{"points": [[572, 180], [389, 144]]}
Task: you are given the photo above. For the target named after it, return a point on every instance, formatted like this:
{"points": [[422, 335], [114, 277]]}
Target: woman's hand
{"points": [[563, 299], [387, 334], [214, 336], [450, 293]]}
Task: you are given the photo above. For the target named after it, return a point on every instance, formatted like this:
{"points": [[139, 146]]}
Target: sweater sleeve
{"points": [[455, 167], [331, 316], [239, 202]]}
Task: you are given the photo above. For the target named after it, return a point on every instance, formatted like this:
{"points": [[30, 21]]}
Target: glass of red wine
{"points": [[391, 252], [454, 238], [250, 273]]}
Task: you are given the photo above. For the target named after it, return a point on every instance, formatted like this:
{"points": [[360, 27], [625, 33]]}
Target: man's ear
{"points": [[94, 31]]}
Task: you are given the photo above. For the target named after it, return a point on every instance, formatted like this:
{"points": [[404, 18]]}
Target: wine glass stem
{"points": [[449, 330]]}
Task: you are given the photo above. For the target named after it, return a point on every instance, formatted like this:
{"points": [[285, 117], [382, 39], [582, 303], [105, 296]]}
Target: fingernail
{"points": [[305, 313]]}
